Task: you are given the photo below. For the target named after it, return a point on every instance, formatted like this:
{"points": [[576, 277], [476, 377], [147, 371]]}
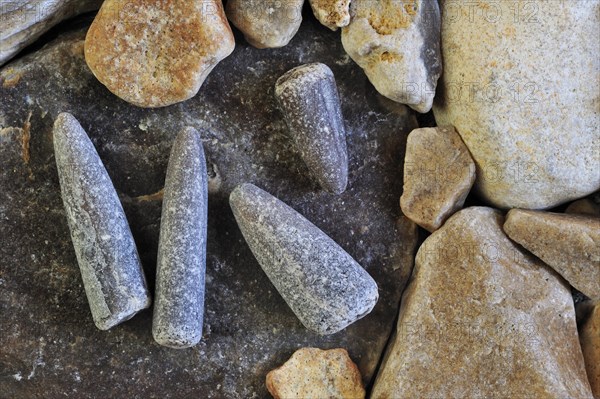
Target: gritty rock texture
{"points": [[585, 206], [526, 108], [159, 52], [438, 175], [482, 319], [397, 43], [570, 244], [331, 13], [316, 373], [266, 23], [320, 282], [248, 328], [181, 264], [110, 266], [24, 21], [589, 336], [309, 99]]}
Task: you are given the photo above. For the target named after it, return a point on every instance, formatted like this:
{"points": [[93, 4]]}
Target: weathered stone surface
{"points": [[310, 102], [181, 265], [570, 244], [482, 319], [526, 108], [438, 175], [322, 284], [584, 206], [316, 373], [159, 52], [110, 266], [248, 327], [331, 13], [589, 336], [266, 23], [397, 43], [23, 21]]}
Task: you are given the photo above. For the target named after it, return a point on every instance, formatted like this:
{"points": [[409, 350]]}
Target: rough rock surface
{"points": [[397, 43], [266, 23], [589, 336], [524, 97], [110, 266], [23, 21], [438, 175], [47, 348], [320, 281], [159, 52], [316, 373], [331, 13], [585, 206], [181, 264], [309, 99], [482, 319], [570, 244]]}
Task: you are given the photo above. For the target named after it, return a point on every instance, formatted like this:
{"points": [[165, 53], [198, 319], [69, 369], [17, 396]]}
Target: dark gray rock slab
{"points": [[49, 346]]}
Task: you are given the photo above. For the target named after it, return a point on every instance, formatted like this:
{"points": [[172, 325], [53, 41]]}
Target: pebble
{"points": [[325, 288], [159, 52], [589, 336], [317, 373], [585, 206], [110, 266], [397, 43], [266, 23], [181, 265], [308, 97], [568, 243], [438, 175], [481, 318], [333, 14]]}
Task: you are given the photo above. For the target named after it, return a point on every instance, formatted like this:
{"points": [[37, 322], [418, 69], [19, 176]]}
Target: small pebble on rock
{"points": [[309, 99], [438, 175], [585, 206], [322, 284], [181, 265], [157, 53], [332, 13], [112, 273], [317, 373]]}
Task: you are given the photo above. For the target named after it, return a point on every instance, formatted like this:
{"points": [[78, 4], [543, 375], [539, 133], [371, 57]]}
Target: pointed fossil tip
{"points": [[302, 74], [239, 191]]}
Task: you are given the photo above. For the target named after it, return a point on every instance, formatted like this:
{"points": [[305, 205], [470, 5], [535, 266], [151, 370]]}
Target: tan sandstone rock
{"points": [[157, 53], [332, 13], [584, 206], [438, 175], [570, 244], [589, 336], [316, 373], [482, 319], [266, 23]]}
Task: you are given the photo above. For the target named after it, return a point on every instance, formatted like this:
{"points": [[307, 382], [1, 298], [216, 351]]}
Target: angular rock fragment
{"points": [[157, 53], [589, 336], [438, 175], [481, 318], [585, 206], [181, 266], [309, 99], [321, 283], [397, 43], [112, 273], [317, 373], [332, 13], [266, 23], [570, 244]]}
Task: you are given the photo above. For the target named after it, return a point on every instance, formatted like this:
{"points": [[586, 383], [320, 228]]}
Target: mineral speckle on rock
{"points": [[159, 52], [266, 23], [317, 373], [397, 43], [321, 283], [112, 274], [309, 99], [332, 13], [181, 265], [482, 319], [570, 244], [589, 336], [438, 175]]}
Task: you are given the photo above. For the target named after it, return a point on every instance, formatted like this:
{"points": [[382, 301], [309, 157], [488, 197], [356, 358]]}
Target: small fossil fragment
{"points": [[309, 99], [181, 265], [321, 283], [112, 273]]}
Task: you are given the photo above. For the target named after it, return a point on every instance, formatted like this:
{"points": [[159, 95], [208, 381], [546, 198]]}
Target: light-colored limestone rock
{"points": [[332, 13]]}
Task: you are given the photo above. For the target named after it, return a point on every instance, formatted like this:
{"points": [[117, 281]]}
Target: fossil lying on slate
{"points": [[112, 274]]}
